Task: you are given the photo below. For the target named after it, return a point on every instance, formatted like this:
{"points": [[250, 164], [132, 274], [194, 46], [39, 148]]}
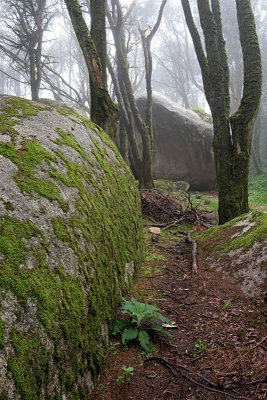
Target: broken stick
{"points": [[194, 251]]}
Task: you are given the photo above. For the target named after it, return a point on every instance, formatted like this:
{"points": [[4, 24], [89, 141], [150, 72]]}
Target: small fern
{"points": [[144, 318]]}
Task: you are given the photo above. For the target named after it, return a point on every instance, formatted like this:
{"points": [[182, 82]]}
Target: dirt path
{"points": [[218, 349]]}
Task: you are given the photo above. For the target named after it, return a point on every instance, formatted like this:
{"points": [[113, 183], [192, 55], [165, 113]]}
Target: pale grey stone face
{"points": [[182, 144], [80, 260], [244, 266]]}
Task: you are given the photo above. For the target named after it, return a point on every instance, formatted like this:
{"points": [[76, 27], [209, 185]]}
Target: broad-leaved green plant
{"points": [[143, 318]]}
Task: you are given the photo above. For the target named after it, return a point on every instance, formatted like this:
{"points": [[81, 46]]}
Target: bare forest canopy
{"points": [[176, 72]]}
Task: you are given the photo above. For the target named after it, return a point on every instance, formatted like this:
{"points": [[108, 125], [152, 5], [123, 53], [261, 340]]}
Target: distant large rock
{"points": [[182, 144], [70, 243]]}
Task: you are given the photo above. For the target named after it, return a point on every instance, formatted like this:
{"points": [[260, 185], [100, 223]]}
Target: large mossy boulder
{"points": [[182, 144], [238, 249], [70, 243]]}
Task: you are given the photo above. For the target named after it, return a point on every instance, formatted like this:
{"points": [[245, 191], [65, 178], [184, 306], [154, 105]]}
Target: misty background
{"points": [[176, 72]]}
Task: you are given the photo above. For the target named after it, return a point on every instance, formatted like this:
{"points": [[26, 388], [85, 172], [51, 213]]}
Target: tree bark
{"points": [[104, 111], [232, 135], [143, 164], [146, 40]]}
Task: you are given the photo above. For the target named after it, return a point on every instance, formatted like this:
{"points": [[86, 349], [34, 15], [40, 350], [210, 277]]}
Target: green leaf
{"points": [[128, 370], [157, 327], [143, 338], [163, 319], [119, 326], [129, 334]]}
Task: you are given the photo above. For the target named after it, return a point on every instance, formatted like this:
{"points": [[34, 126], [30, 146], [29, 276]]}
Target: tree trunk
{"points": [[35, 79], [98, 32], [143, 164], [232, 171], [232, 135], [124, 150], [104, 111]]}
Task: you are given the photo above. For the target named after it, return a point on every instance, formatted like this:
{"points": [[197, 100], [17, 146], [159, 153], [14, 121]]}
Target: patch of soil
{"points": [[218, 348]]}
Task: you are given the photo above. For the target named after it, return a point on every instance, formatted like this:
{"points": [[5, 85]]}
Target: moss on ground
{"points": [[112, 226]]}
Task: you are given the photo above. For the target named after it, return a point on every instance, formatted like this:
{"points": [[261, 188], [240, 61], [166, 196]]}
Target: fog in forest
{"points": [[176, 72]]}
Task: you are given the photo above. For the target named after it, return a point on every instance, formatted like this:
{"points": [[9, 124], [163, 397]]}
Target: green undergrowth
{"points": [[154, 257], [204, 202], [108, 219], [185, 199], [257, 188], [217, 238], [143, 319]]}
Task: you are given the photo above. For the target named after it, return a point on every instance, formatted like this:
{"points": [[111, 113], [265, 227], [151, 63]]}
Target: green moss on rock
{"points": [[4, 395], [102, 228], [2, 334], [12, 110], [12, 245], [26, 158], [238, 251], [29, 364], [218, 237]]}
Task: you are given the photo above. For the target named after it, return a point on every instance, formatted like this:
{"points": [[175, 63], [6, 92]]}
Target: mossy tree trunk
{"points": [[232, 134], [126, 125], [35, 74], [104, 111]]}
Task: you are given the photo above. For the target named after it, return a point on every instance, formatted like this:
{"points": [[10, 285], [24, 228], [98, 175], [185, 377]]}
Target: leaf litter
{"points": [[218, 349]]}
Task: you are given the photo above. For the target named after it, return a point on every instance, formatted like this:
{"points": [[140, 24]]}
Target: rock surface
{"points": [[182, 144], [238, 249], [70, 243]]}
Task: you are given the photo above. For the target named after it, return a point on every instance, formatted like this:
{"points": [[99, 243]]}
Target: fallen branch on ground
{"points": [[194, 250], [239, 358], [180, 367]]}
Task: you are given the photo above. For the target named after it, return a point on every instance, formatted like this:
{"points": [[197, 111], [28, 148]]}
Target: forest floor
{"points": [[218, 345]]}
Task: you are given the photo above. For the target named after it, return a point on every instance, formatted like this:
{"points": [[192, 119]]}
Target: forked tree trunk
{"points": [[232, 135], [133, 120], [142, 163]]}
